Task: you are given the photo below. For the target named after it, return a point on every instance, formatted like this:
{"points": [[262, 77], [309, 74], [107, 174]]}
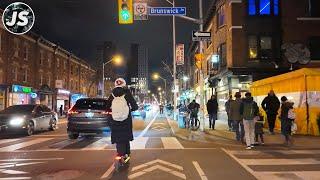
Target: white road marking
{"points": [[62, 144], [8, 141], [199, 170], [15, 178], [49, 135], [249, 162], [155, 167], [157, 161], [148, 126], [99, 145], [6, 165], [108, 172], [139, 143], [265, 152], [12, 172], [171, 143], [23, 144], [40, 159]]}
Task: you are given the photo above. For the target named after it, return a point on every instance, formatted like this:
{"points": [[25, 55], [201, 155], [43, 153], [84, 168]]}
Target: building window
{"points": [[58, 62], [41, 79], [263, 7], [49, 60], [25, 75], [314, 8], [315, 48], [15, 73], [41, 58], [25, 53], [1, 76], [65, 65], [260, 47], [222, 52], [0, 41], [221, 16], [16, 47]]}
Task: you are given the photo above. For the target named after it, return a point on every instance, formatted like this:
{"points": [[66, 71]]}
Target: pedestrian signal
{"points": [[125, 11]]}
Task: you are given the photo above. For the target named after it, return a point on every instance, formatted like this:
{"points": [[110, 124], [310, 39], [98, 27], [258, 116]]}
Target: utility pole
{"points": [[201, 84], [174, 65]]}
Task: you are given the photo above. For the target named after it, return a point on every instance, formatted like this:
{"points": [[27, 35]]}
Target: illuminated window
{"points": [[253, 47], [260, 47], [221, 16], [222, 52], [263, 7]]}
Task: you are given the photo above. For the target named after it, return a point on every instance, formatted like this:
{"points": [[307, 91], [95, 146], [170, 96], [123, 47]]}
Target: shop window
{"points": [[221, 16], [260, 47], [315, 48], [314, 8], [222, 52], [263, 7]]}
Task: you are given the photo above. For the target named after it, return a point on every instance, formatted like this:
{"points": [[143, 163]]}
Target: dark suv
{"points": [[87, 116]]}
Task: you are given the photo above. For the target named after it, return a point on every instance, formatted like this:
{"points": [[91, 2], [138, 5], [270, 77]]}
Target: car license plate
{"points": [[89, 115]]}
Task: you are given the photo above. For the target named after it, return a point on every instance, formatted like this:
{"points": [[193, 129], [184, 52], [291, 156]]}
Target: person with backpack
{"points": [[227, 107], [271, 105], [212, 108], [122, 104], [249, 111], [287, 117]]}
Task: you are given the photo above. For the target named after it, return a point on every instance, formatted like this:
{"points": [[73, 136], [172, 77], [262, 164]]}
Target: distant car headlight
{"points": [[18, 121]]}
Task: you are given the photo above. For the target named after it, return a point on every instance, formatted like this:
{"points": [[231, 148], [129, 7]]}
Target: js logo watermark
{"points": [[18, 18]]}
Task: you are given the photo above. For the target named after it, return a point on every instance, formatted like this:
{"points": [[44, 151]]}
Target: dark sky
{"points": [[79, 25]]}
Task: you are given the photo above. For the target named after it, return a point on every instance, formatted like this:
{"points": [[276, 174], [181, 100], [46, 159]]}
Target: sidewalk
{"points": [[222, 132]]}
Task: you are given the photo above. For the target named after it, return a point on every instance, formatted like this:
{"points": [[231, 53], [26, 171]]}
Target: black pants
{"points": [[193, 119], [261, 137], [271, 121], [123, 148]]}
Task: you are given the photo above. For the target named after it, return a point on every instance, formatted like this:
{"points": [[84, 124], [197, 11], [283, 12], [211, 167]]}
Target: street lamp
{"points": [[185, 78], [157, 76], [117, 60], [159, 89]]}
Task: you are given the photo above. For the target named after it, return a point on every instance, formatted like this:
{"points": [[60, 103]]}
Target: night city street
{"points": [[160, 89]]}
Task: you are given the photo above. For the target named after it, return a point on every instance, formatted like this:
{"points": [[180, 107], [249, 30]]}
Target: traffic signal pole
{"points": [[201, 84]]}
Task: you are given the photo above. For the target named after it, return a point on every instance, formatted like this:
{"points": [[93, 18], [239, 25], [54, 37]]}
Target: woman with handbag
{"points": [[287, 117]]}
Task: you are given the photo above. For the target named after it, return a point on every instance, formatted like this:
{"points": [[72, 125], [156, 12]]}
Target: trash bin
{"points": [[181, 120]]}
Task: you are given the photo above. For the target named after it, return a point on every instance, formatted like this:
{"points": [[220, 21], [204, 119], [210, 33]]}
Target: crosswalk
{"points": [[279, 164], [84, 144]]}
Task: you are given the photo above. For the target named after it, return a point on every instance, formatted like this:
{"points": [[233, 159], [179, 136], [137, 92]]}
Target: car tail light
{"points": [[107, 112], [72, 111]]}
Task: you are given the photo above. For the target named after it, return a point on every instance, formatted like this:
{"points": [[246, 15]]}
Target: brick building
{"points": [[247, 41], [34, 70]]}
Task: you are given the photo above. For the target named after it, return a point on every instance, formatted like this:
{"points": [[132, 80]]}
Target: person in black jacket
{"points": [[121, 131], [212, 108], [271, 105]]}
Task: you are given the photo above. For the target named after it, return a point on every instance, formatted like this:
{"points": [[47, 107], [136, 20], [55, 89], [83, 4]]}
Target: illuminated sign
{"points": [[62, 91], [33, 95], [21, 89]]}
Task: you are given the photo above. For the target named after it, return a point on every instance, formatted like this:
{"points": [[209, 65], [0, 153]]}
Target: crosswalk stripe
{"points": [[287, 152], [249, 162], [139, 143], [63, 144], [8, 140], [24, 144], [99, 145], [171, 143]]}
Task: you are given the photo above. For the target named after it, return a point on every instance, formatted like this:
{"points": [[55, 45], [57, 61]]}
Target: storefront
{"points": [[45, 95], [21, 95], [3, 95], [62, 99]]}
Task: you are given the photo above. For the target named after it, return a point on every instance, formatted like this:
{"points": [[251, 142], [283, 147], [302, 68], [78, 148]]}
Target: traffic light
{"points": [[125, 11]]}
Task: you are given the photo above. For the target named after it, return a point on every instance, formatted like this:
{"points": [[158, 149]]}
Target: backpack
{"points": [[248, 111], [120, 108]]}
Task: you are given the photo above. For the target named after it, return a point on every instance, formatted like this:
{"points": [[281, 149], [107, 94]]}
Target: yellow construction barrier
{"points": [[301, 87]]}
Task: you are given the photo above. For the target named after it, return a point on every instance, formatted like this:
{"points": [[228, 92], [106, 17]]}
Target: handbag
{"points": [[294, 128]]}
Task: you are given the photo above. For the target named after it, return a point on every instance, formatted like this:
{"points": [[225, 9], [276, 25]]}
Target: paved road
{"points": [[156, 154]]}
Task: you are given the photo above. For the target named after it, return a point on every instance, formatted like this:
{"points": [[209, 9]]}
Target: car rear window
{"points": [[95, 104], [18, 109]]}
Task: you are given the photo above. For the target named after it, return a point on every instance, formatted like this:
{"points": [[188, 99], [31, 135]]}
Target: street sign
{"points": [[201, 36], [140, 10], [167, 11], [180, 54]]}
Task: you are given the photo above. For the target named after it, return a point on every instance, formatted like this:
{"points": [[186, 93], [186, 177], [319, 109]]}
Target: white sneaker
{"points": [[248, 147]]}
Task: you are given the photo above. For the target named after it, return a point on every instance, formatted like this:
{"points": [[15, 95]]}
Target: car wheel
{"points": [[53, 124], [30, 128], [73, 135]]}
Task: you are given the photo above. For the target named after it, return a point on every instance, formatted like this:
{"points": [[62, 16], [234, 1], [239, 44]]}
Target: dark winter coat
{"points": [[122, 131], [285, 121], [235, 110], [212, 106], [271, 105]]}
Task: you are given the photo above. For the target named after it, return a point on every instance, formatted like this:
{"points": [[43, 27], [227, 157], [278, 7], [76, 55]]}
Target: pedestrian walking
{"points": [[249, 110], [194, 107], [61, 110], [237, 117], [258, 129], [161, 108], [122, 104], [271, 105], [287, 117], [212, 108], [227, 106]]}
